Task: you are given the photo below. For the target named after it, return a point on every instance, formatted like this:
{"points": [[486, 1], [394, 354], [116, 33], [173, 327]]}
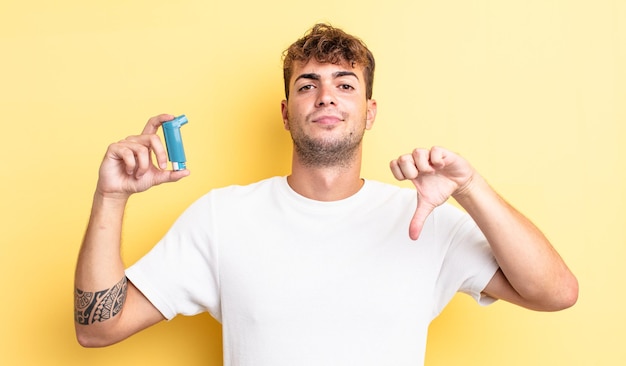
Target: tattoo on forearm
{"points": [[91, 307]]}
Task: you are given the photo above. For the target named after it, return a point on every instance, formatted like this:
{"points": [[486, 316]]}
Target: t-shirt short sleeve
{"points": [[468, 265], [180, 274]]}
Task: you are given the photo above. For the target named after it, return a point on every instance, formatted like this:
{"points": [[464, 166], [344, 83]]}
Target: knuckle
{"points": [[155, 140], [405, 159], [128, 139]]}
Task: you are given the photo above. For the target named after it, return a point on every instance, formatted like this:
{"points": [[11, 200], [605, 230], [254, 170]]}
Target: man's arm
{"points": [[107, 307], [531, 273]]}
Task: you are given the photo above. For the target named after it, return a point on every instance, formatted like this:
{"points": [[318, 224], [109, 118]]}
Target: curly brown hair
{"points": [[328, 44]]}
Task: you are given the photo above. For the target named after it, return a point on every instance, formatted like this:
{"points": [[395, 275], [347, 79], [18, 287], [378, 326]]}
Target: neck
{"points": [[328, 183]]}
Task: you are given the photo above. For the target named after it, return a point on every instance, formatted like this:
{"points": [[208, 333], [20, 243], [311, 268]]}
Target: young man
{"points": [[318, 267]]}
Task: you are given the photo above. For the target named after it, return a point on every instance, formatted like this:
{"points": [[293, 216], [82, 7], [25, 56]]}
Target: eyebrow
{"points": [[336, 74]]}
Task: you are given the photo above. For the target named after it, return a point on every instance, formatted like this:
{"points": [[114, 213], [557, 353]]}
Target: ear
{"points": [[283, 111], [371, 113]]}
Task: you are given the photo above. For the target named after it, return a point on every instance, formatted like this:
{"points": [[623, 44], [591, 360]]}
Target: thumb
{"points": [[422, 211], [169, 176]]}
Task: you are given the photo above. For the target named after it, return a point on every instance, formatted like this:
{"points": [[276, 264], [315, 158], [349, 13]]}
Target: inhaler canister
{"points": [[174, 142]]}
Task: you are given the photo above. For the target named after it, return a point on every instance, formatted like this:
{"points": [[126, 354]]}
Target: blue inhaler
{"points": [[174, 142]]}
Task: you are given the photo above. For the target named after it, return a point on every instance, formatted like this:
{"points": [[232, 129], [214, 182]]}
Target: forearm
{"points": [[99, 263], [100, 283], [527, 259], [107, 307]]}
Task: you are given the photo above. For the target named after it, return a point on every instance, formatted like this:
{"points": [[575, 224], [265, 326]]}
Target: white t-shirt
{"points": [[301, 282]]}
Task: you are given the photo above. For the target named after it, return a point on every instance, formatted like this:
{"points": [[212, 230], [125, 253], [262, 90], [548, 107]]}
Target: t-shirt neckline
{"points": [[354, 199]]}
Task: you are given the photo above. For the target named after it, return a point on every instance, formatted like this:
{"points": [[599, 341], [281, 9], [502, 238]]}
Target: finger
{"points": [[437, 157], [123, 151], [134, 151], [155, 122], [169, 176], [406, 167], [419, 219], [142, 157], [154, 143], [395, 170], [422, 160], [159, 151], [140, 147], [177, 175]]}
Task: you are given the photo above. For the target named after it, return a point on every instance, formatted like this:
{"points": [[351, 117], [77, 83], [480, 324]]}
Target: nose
{"points": [[325, 96]]}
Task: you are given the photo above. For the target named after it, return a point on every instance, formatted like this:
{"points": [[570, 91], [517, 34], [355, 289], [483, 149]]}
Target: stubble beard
{"points": [[327, 152]]}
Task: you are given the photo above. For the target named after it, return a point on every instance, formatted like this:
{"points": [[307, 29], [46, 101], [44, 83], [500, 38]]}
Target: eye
{"points": [[306, 87], [346, 87]]}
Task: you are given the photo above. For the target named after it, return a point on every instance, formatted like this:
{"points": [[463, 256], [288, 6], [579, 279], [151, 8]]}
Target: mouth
{"points": [[327, 119]]}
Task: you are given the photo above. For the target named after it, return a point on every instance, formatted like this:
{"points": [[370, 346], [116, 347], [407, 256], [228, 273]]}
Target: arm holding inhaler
{"points": [[128, 167]]}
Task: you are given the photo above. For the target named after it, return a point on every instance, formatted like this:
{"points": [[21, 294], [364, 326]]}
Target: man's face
{"points": [[327, 111]]}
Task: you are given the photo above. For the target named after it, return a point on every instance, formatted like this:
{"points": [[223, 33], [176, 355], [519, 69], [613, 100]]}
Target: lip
{"points": [[327, 119]]}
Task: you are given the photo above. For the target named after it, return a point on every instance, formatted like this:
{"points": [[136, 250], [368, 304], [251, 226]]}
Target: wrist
{"points": [[111, 200], [470, 189]]}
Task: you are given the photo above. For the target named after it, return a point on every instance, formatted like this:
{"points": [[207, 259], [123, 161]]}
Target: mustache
{"points": [[325, 113]]}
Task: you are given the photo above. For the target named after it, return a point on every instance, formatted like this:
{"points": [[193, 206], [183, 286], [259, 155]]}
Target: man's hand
{"points": [[128, 165], [437, 174]]}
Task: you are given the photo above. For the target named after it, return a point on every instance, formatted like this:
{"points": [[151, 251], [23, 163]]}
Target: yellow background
{"points": [[531, 92]]}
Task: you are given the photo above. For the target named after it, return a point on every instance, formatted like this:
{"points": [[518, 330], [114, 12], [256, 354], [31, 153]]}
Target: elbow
{"points": [[569, 295], [86, 342], [90, 342], [549, 297], [565, 296], [89, 339]]}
